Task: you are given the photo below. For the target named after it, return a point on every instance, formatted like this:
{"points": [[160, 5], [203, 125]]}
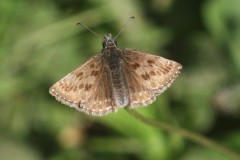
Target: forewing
{"points": [[85, 89], [147, 75]]}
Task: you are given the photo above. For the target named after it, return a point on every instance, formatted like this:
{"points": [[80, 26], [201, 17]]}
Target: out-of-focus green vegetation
{"points": [[40, 43]]}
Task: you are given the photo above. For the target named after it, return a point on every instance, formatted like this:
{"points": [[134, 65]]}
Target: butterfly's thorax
{"points": [[114, 61]]}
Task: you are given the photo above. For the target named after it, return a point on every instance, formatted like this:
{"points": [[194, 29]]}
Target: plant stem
{"points": [[197, 138]]}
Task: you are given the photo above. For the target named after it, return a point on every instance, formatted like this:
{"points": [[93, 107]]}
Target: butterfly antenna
{"points": [[129, 19], [87, 28]]}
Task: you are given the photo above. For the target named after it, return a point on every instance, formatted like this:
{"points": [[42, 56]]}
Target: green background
{"points": [[40, 43]]}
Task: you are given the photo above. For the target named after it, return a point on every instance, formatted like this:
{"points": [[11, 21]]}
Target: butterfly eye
{"points": [[103, 44]]}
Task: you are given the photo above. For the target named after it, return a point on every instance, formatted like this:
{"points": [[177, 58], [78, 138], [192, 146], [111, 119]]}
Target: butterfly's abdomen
{"points": [[120, 90]]}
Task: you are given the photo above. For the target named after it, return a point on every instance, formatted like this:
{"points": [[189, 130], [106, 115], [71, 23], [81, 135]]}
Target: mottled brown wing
{"points": [[87, 88], [147, 75]]}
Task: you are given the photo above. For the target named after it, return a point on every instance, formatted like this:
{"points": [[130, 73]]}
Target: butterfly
{"points": [[115, 79]]}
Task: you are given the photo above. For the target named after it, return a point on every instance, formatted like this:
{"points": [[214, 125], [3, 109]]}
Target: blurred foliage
{"points": [[40, 43]]}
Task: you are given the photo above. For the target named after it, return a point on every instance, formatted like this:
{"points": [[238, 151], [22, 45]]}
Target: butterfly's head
{"points": [[109, 42]]}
